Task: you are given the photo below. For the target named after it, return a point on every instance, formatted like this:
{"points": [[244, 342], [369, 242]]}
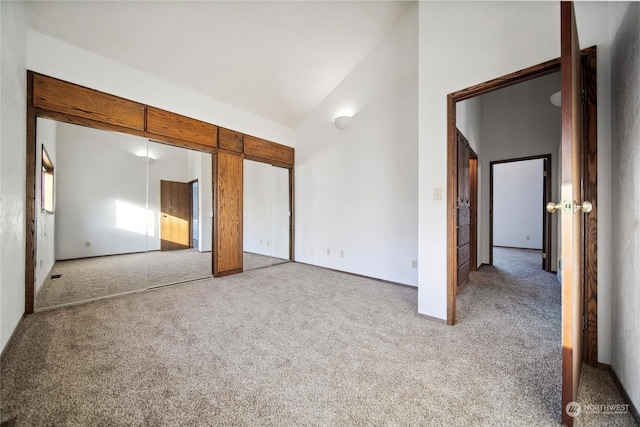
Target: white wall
{"points": [[13, 85], [101, 193], [257, 207], [625, 73], [266, 209], [45, 223], [356, 189], [280, 212], [518, 204], [206, 202]]}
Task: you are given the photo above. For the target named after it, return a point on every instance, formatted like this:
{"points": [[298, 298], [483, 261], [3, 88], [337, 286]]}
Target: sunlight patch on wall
{"points": [[134, 219]]}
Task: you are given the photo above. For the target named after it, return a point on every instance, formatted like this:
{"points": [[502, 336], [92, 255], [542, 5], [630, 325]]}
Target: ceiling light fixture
{"points": [[342, 122], [146, 159]]}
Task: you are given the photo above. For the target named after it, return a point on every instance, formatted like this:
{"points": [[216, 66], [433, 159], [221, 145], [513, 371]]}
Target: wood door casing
{"points": [[590, 192], [175, 215]]}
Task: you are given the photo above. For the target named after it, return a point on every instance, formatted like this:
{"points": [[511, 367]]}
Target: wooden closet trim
{"points": [[56, 95], [230, 140], [167, 124], [265, 151]]}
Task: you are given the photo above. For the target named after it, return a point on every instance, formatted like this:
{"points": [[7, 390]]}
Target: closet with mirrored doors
{"points": [[124, 197]]}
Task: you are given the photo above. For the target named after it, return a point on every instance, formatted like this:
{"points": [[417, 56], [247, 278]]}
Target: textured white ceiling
{"points": [[274, 59]]}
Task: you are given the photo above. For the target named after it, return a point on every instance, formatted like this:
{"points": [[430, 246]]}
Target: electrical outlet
{"points": [[342, 253], [328, 251], [528, 238], [87, 244], [414, 263]]}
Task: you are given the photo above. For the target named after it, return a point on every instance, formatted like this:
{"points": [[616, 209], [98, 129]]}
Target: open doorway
{"points": [[519, 190], [589, 165]]}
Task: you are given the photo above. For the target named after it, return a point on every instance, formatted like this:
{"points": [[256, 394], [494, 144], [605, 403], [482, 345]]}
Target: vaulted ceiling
{"points": [[274, 59]]}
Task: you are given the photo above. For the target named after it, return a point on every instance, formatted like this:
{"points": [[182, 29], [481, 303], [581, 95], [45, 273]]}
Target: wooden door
{"points": [[463, 211], [175, 215], [572, 211]]}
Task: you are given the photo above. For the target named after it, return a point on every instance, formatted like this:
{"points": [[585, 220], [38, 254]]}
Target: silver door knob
{"points": [[553, 207], [585, 207]]}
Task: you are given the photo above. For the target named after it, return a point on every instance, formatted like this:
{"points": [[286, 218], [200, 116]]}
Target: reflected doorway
{"points": [[195, 214], [519, 190]]}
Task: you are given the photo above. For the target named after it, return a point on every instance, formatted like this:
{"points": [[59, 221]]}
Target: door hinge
{"points": [[584, 97], [584, 323], [544, 255]]}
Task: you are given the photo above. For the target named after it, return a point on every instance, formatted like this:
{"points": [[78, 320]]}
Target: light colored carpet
{"points": [[100, 277], [293, 345], [252, 261]]}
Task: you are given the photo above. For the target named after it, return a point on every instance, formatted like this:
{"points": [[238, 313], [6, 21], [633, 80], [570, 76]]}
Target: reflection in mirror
{"points": [[104, 235], [266, 216], [180, 199]]}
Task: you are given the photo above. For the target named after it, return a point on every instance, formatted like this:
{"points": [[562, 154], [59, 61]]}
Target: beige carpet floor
{"points": [[88, 279], [252, 261], [296, 345]]}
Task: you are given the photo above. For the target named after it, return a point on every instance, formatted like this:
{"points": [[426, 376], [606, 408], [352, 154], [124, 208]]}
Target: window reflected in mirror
{"points": [[46, 182]]}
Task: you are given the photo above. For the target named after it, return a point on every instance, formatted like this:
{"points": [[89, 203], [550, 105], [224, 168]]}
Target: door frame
{"points": [[547, 236], [190, 221], [589, 62], [191, 211]]}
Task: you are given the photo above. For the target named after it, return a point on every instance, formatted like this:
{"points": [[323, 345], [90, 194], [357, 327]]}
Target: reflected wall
{"points": [[104, 235], [266, 215]]}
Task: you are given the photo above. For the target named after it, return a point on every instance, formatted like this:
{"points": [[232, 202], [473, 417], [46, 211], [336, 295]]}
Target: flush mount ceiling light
{"points": [[342, 122], [556, 99], [146, 159]]}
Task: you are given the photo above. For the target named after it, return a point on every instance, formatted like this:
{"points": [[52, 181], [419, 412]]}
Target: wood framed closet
{"points": [[52, 98]]}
